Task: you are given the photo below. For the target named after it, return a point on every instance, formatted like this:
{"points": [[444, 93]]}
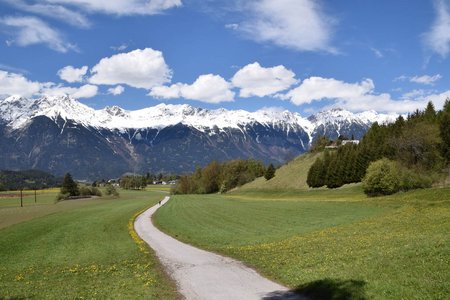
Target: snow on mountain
{"points": [[17, 111], [338, 115]]}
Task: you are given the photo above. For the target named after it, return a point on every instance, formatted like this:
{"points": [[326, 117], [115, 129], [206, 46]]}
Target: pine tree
{"points": [[430, 113], [69, 186], [444, 127], [270, 172], [333, 177], [316, 174]]}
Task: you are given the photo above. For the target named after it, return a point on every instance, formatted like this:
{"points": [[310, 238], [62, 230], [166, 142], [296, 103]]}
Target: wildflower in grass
{"points": [[19, 277]]}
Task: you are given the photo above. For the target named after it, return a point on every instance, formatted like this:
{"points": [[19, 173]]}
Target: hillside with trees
{"points": [[221, 177], [407, 154]]}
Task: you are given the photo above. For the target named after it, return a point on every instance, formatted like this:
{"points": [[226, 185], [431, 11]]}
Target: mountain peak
{"points": [[115, 110]]}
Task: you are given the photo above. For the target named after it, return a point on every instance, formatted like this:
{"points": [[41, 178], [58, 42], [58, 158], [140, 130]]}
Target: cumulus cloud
{"points": [[359, 96], [318, 88], [141, 68], [16, 84], [254, 80], [116, 90], [437, 39], [207, 88], [84, 91], [72, 74], [57, 12], [296, 24], [122, 7], [28, 31]]}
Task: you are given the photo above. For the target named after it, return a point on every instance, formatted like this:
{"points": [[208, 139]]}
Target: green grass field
{"points": [[78, 249], [354, 247]]}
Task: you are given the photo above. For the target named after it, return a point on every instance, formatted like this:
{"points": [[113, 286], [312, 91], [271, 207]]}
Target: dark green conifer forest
{"points": [[419, 145]]}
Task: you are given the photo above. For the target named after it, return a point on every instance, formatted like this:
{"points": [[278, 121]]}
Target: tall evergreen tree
{"points": [[429, 114], [270, 172], [69, 186], [444, 128]]}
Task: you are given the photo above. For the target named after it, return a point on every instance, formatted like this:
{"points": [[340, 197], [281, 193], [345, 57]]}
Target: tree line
{"points": [[419, 146], [28, 180], [221, 177], [72, 190]]}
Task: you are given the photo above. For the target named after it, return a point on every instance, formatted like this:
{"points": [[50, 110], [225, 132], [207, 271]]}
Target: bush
{"points": [[411, 180], [84, 191], [62, 196], [96, 192], [89, 191], [382, 178], [111, 190]]}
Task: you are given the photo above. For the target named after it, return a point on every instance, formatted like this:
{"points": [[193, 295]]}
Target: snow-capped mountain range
{"points": [[18, 111], [60, 134]]}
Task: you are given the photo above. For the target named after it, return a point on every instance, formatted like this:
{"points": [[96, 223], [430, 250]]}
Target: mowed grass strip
{"points": [[386, 248], [83, 252], [214, 221]]}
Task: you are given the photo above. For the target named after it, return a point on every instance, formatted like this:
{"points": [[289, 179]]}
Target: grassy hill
{"points": [[291, 176]]}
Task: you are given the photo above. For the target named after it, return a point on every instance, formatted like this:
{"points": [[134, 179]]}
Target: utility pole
{"points": [[35, 197], [21, 198]]}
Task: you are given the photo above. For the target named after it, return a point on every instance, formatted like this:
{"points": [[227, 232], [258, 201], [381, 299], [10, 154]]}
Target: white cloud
{"points": [[232, 26], [144, 68], [57, 12], [71, 74], [254, 80], [31, 31], [318, 88], [356, 96], [122, 7], [116, 90], [207, 88], [120, 47], [16, 84], [417, 93], [424, 79], [438, 38], [296, 24], [84, 91], [377, 52]]}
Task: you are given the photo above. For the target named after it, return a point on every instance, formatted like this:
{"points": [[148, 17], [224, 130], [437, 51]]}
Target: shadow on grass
{"points": [[325, 289]]}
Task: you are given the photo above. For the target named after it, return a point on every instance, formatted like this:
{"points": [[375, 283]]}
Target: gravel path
{"points": [[204, 275]]}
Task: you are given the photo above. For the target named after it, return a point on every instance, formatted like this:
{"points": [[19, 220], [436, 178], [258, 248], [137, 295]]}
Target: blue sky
{"points": [[301, 55]]}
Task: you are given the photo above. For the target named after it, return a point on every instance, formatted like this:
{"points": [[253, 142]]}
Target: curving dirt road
{"points": [[204, 275]]}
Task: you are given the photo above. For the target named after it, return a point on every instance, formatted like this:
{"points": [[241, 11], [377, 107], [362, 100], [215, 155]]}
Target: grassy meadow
{"points": [[291, 176], [78, 249], [327, 244]]}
